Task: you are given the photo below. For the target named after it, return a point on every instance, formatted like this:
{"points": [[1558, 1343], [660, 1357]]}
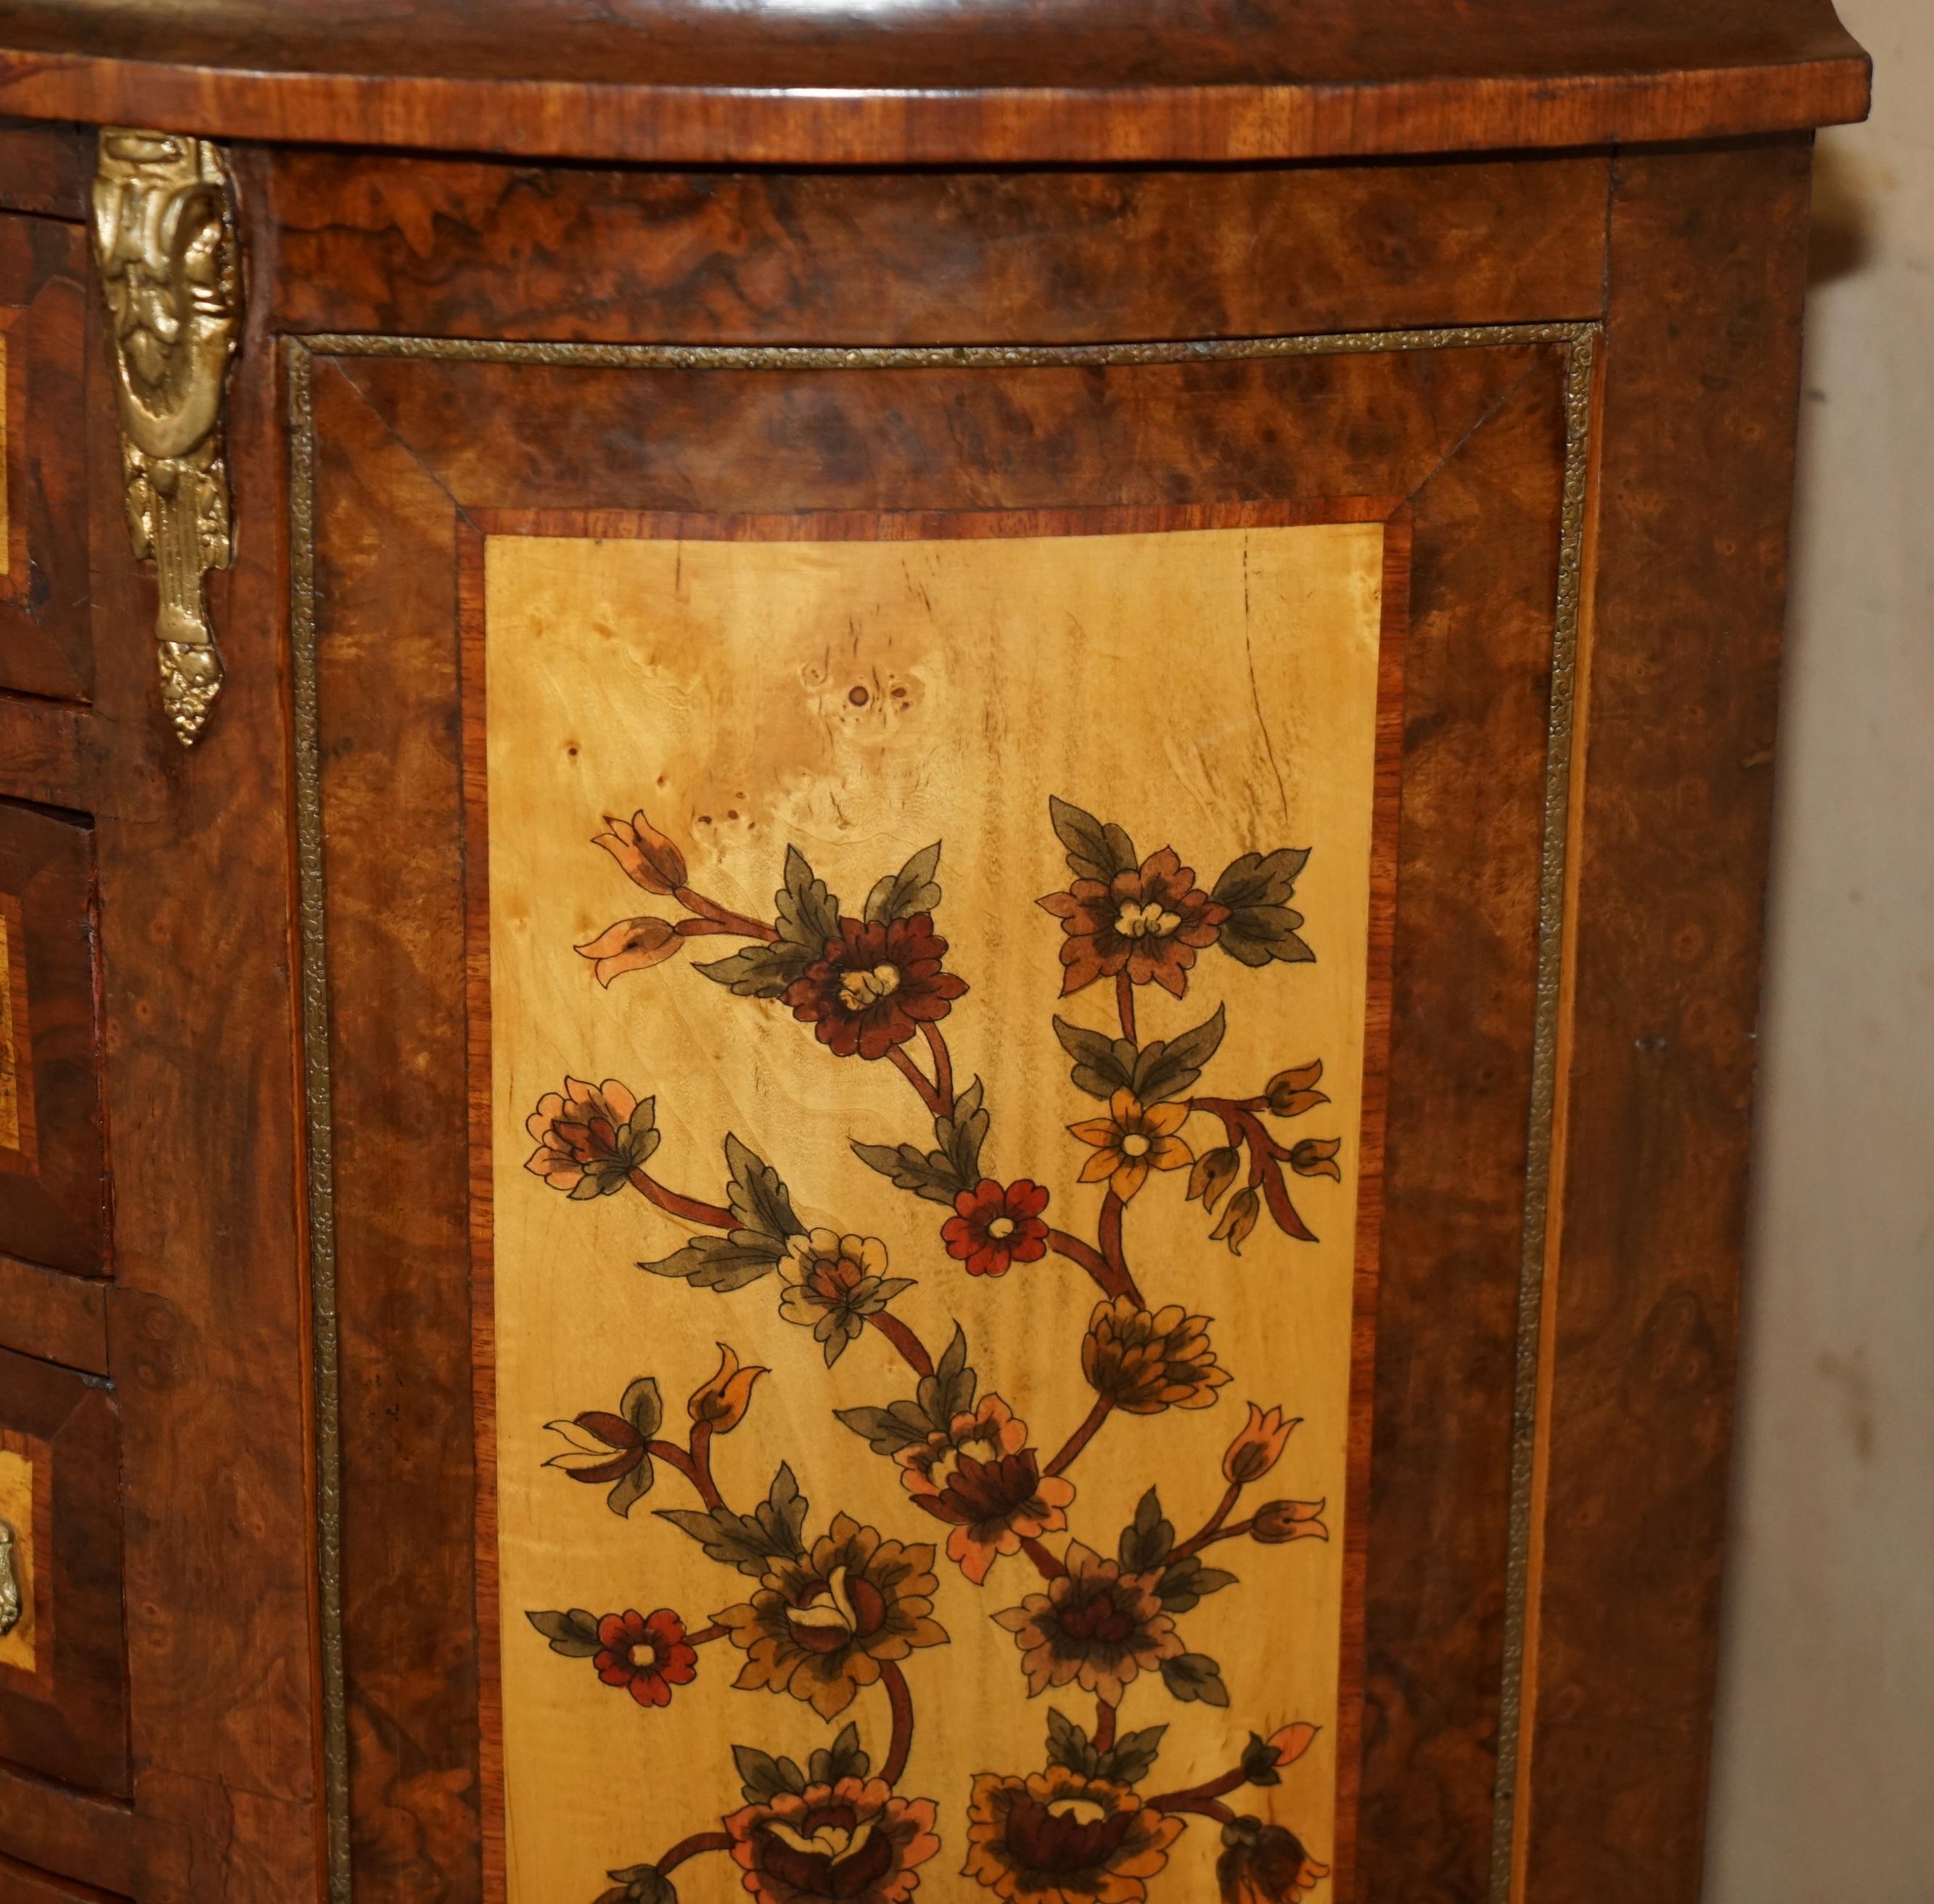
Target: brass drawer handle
{"points": [[10, 1583]]}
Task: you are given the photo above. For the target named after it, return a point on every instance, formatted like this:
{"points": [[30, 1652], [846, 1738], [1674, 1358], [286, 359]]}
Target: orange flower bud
{"points": [[1259, 1447], [720, 1403], [649, 858], [1292, 1092], [1316, 1157], [1238, 1219], [1277, 1521], [1214, 1170], [1292, 1741], [631, 945]]}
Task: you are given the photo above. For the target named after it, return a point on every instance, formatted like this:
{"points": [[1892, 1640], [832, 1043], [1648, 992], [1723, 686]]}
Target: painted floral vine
{"points": [[829, 1608]]}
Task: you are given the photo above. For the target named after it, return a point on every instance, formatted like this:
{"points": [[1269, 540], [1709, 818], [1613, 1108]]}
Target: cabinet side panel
{"points": [[1701, 381]]}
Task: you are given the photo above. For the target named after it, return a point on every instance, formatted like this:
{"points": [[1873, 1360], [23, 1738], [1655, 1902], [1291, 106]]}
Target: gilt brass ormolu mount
{"points": [[10, 1603], [165, 245]]}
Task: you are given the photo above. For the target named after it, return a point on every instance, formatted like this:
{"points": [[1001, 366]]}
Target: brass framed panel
{"points": [[1578, 341]]}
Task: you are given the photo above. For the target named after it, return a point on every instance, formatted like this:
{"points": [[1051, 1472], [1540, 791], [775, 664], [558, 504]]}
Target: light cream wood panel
{"points": [[773, 714]]}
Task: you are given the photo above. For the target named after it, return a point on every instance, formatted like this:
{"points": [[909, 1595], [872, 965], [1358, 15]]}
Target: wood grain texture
{"points": [[60, 1318], [207, 1333], [387, 569], [1083, 80], [66, 1716], [47, 168], [422, 247], [54, 1200], [1708, 265], [20, 1884], [46, 311], [410, 450], [56, 1828], [1484, 595]]}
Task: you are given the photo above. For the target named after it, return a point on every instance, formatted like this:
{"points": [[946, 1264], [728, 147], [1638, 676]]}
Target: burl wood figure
{"points": [[879, 906]]}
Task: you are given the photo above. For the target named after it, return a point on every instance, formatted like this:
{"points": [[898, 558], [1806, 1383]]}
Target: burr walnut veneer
{"points": [[879, 917]]}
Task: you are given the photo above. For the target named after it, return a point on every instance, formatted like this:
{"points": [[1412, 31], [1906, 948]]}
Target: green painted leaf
{"points": [[1146, 1542], [1095, 850], [949, 1389], [1102, 1065], [722, 1263], [808, 915], [1133, 1755], [1262, 925], [1186, 1583], [781, 1515], [911, 1169], [888, 1430], [911, 890], [757, 1197], [1166, 1069], [631, 1489], [1068, 1745], [961, 1136], [760, 970], [642, 1407], [1193, 1676], [573, 1634], [764, 1777], [845, 1758], [731, 1539]]}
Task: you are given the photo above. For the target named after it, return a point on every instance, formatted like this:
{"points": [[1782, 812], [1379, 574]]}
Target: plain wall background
{"points": [[1824, 1777]]}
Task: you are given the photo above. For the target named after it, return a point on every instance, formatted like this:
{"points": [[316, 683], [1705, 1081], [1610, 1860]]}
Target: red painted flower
{"points": [[646, 1654], [874, 985], [1149, 922], [852, 1841], [995, 1225]]}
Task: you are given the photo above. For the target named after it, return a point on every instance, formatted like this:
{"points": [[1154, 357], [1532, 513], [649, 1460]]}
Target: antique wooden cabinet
{"points": [[879, 888]]}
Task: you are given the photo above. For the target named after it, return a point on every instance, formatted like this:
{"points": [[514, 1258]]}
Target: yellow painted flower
{"points": [[1130, 1142]]}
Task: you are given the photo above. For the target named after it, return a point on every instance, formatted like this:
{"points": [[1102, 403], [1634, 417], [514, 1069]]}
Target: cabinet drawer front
{"points": [[44, 580], [63, 1665], [53, 1192], [1007, 1209]]}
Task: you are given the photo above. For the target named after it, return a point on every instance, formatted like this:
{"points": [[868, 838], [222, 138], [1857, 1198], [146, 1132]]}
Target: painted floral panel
{"points": [[928, 986]]}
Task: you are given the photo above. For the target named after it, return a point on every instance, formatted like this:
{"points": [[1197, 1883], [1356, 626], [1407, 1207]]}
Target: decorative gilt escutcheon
{"points": [[165, 238]]}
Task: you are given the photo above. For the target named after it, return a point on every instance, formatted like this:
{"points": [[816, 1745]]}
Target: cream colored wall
{"points": [[1824, 1775]]}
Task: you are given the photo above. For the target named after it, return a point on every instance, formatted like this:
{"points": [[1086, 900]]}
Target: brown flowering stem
{"points": [[1199, 1795], [1124, 1004], [1086, 1255], [700, 1475], [701, 1463], [720, 915], [903, 1339], [1212, 1528], [688, 1209], [1050, 1568], [899, 1703], [699, 1843], [1104, 1725], [1275, 1194], [1109, 1233], [705, 1638], [1082, 1435], [912, 1072], [943, 1062]]}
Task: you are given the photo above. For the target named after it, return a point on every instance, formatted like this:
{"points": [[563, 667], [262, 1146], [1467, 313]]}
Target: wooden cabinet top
{"points": [[913, 81]]}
